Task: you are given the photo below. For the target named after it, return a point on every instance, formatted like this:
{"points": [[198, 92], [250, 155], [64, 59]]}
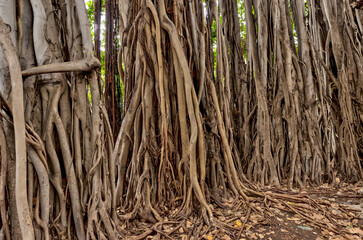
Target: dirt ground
{"points": [[325, 213], [345, 200]]}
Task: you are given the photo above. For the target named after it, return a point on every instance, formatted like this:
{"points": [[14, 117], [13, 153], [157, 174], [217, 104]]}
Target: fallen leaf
{"points": [[261, 230], [238, 223], [318, 216], [253, 236], [215, 232], [225, 237], [207, 237], [261, 235], [335, 206], [356, 231], [325, 232]]}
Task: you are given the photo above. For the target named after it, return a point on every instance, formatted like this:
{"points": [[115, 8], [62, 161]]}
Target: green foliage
{"points": [[90, 4], [91, 16], [242, 21], [214, 44]]}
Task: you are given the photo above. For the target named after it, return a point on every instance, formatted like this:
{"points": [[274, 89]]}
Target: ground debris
{"points": [[317, 213]]}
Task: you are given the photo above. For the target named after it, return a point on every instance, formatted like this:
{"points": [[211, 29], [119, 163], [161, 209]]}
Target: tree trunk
{"points": [[66, 168], [210, 110]]}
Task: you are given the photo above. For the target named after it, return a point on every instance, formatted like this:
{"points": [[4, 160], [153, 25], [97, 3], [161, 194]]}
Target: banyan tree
{"points": [[221, 99]]}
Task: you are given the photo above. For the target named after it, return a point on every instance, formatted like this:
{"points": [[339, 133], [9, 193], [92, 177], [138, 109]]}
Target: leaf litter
{"points": [[317, 213]]}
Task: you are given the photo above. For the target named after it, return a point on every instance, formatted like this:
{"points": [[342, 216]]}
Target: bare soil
{"points": [[344, 203], [288, 226]]}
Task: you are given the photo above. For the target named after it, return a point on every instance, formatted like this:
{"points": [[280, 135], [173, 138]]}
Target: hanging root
{"points": [[177, 150], [3, 155], [19, 132], [212, 116]]}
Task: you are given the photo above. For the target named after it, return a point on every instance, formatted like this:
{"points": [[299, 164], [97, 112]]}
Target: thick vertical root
{"points": [[22, 206], [3, 180]]}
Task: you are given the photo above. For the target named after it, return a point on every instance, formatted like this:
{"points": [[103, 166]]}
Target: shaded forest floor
{"points": [[347, 200], [343, 204]]}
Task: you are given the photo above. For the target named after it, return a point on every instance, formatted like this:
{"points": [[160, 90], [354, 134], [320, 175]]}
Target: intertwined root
{"points": [[64, 134], [187, 132], [207, 112]]}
